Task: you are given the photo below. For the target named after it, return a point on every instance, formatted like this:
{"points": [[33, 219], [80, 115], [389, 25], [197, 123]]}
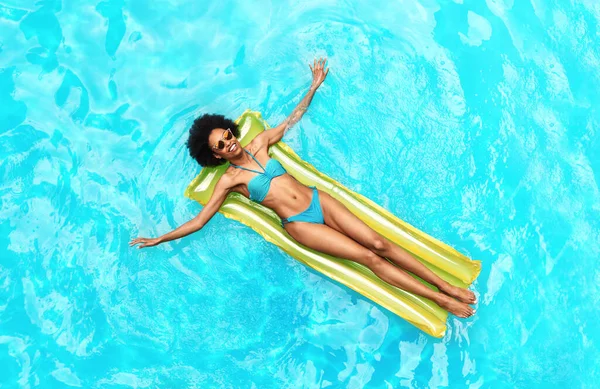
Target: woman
{"points": [[312, 217]]}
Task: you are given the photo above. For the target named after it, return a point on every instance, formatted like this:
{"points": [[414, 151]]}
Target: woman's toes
{"points": [[472, 297], [455, 307], [465, 312]]}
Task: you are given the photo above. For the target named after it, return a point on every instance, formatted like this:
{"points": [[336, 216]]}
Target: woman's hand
{"points": [[319, 73], [144, 242]]}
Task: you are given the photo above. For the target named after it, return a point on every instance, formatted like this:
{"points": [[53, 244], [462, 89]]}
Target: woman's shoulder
{"points": [[232, 178], [230, 174], [257, 145]]}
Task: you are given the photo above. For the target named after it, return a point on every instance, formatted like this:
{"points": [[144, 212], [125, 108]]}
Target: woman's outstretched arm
{"points": [[222, 189], [275, 134]]}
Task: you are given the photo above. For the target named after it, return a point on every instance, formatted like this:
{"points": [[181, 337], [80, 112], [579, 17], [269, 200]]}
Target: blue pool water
{"points": [[476, 121]]}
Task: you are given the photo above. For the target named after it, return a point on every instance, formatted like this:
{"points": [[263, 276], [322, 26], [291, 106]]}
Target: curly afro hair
{"points": [[197, 142]]}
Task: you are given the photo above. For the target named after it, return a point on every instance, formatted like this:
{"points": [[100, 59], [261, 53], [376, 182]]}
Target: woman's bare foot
{"points": [[454, 307], [464, 295]]}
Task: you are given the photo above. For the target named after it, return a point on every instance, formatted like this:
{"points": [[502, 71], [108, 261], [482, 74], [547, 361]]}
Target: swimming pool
{"points": [[475, 121]]}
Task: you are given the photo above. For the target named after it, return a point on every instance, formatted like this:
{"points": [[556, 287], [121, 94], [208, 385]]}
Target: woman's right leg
{"points": [[325, 239], [341, 219]]}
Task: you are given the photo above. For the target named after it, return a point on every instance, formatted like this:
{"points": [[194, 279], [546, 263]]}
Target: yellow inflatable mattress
{"points": [[448, 263]]}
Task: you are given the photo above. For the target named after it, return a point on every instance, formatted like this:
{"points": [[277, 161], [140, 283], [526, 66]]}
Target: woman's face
{"points": [[223, 143]]}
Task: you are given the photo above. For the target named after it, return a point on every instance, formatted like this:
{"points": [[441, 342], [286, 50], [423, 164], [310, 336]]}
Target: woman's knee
{"points": [[378, 244], [372, 260]]}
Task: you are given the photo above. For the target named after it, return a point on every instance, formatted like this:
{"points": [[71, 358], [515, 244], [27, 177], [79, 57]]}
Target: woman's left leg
{"points": [[338, 217]]}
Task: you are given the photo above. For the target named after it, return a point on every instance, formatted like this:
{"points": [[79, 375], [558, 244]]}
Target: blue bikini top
{"points": [[259, 185]]}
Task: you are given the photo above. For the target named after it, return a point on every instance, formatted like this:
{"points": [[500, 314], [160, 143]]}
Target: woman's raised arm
{"points": [[275, 134]]}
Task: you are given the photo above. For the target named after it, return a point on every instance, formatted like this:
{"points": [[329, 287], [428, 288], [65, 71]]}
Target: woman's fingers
{"points": [[318, 70], [322, 63], [318, 64], [137, 240]]}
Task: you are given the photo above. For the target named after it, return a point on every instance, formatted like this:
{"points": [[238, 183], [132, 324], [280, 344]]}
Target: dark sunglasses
{"points": [[227, 134]]}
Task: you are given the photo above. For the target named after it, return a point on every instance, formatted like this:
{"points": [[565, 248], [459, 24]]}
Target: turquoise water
{"points": [[475, 121]]}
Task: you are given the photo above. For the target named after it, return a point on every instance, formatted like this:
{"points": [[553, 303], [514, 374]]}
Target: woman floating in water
{"points": [[310, 216]]}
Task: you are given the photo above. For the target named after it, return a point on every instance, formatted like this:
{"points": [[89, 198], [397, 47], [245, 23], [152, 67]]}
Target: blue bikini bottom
{"points": [[312, 214]]}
